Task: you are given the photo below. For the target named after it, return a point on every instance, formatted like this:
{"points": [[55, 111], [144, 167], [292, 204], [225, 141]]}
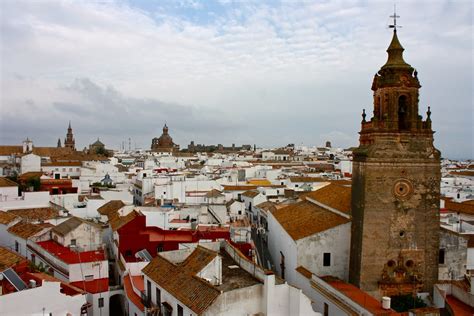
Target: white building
{"points": [[30, 163], [225, 286]]}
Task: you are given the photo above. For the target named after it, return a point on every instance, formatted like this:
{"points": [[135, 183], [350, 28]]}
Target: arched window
{"points": [[402, 113]]}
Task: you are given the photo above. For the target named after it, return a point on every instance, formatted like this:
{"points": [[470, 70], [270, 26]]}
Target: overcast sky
{"points": [[225, 72]]}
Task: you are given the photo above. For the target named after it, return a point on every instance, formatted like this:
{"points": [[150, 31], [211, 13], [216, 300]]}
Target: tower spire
{"points": [[395, 49], [394, 16]]}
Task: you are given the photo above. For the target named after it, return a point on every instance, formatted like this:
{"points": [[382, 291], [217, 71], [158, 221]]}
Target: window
{"points": [[56, 169], [89, 277], [442, 253], [159, 248], [158, 297], [148, 290], [326, 259], [101, 302], [57, 176], [73, 242], [326, 309], [64, 169], [78, 169], [128, 253], [70, 169], [240, 212], [296, 185], [17, 246], [180, 310], [33, 258]]}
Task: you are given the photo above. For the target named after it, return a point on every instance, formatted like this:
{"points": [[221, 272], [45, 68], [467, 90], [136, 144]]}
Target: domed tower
{"points": [[164, 143], [395, 188]]}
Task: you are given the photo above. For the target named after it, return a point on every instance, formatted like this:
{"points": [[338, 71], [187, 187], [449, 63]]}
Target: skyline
{"points": [[243, 73]]}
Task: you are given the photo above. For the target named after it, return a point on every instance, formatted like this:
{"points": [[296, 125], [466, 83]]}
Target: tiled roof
{"points": [[305, 272], [9, 258], [466, 208], [214, 193], [304, 219], [110, 207], [239, 187], [463, 173], [360, 297], [259, 182], [36, 214], [69, 225], [7, 150], [333, 195], [7, 217], [25, 230], [251, 193], [5, 182], [134, 298], [32, 174], [118, 221], [267, 206], [307, 179], [180, 280]]}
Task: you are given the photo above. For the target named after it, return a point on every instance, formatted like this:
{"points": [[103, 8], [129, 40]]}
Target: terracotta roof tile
{"points": [[25, 230], [118, 221], [9, 258], [5, 182], [267, 206], [251, 193], [69, 225], [466, 208], [239, 187], [305, 272], [304, 219], [180, 280], [307, 179], [36, 214], [7, 217], [110, 207], [333, 195], [214, 193]]}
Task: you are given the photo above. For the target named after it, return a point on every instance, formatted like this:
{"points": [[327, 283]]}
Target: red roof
{"points": [[360, 297], [458, 307], [70, 257], [93, 286], [132, 296]]}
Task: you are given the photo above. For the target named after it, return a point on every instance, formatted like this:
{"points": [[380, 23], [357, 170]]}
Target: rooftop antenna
{"points": [[394, 16]]}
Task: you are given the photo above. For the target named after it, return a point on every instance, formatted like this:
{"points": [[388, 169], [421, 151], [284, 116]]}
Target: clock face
{"points": [[403, 189]]}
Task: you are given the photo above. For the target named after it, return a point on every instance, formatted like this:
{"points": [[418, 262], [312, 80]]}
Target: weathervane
{"points": [[394, 16]]}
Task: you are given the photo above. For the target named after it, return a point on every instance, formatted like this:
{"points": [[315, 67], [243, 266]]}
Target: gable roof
{"points": [[267, 206], [307, 179], [117, 221], [25, 230], [180, 279], [251, 193], [9, 258], [214, 193], [333, 195], [304, 219], [110, 207], [7, 217], [36, 214], [69, 225], [5, 182]]}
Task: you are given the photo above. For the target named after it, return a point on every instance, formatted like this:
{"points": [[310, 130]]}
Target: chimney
{"points": [[32, 283], [386, 302]]}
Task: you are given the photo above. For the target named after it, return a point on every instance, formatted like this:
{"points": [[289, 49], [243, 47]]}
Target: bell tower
{"points": [[69, 141], [395, 187]]}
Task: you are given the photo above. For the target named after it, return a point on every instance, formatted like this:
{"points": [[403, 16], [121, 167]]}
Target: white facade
{"points": [[43, 300], [309, 251], [30, 163]]}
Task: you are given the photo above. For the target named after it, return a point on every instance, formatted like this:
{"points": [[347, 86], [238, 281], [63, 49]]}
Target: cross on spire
{"points": [[394, 16]]}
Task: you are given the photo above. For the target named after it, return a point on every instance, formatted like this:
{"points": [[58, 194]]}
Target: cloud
{"points": [[265, 73]]}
